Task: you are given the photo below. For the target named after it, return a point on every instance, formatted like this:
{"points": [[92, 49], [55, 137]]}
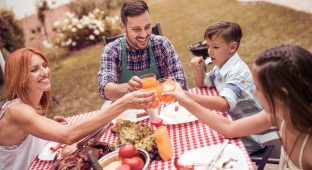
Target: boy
{"points": [[230, 76]]}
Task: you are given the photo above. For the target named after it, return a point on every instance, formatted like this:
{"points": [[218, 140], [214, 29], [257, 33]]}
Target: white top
{"points": [[19, 156], [284, 157]]}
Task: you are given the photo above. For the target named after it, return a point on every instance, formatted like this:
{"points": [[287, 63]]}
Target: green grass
{"points": [[264, 25]]}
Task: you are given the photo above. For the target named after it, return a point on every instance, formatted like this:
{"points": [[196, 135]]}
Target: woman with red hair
{"points": [[24, 127]]}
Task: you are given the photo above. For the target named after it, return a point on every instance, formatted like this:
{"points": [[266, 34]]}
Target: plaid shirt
{"points": [[234, 82], [167, 61]]}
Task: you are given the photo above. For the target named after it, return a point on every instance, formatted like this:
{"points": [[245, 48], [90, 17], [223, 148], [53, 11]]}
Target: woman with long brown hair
{"points": [[283, 80], [24, 127]]}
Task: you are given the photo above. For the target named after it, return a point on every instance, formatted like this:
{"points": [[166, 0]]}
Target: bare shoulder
{"points": [[20, 110]]}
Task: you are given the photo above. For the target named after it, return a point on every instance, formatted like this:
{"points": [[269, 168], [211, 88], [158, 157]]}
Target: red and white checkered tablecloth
{"points": [[184, 137]]}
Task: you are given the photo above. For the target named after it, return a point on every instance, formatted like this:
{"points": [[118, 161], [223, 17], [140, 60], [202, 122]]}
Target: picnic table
{"points": [[184, 137]]}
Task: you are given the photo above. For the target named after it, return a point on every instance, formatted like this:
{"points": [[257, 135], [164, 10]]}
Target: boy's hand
{"points": [[197, 62]]}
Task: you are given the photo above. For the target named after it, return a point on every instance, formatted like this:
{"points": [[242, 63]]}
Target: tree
{"points": [[11, 34]]}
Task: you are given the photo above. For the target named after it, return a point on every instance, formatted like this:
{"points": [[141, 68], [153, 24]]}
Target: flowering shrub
{"points": [[78, 33]]}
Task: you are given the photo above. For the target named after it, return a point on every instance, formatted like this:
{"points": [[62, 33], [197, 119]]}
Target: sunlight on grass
{"points": [[183, 22]]}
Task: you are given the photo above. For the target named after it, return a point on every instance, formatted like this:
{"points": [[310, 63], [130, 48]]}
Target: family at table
{"points": [[276, 92]]}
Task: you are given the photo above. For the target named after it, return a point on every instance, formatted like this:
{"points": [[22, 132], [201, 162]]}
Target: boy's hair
{"points": [[285, 73], [16, 74], [132, 8], [229, 31]]}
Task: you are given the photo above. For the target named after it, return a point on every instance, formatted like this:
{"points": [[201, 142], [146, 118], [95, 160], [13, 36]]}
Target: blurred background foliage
{"points": [[11, 34]]}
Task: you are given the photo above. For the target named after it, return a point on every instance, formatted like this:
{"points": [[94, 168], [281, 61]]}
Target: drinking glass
{"points": [[150, 83], [167, 85]]}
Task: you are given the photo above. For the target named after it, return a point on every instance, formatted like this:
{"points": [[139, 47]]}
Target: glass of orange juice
{"points": [[166, 85], [150, 83]]}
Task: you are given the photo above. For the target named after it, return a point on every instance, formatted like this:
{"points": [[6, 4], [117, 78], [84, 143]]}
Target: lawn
{"points": [[183, 22]]}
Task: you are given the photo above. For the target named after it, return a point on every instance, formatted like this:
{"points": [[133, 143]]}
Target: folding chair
{"points": [[156, 29], [271, 153]]}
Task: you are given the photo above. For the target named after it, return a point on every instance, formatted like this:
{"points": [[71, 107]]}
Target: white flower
{"points": [[66, 21], [74, 29], [47, 44], [96, 32], [74, 44], [91, 37], [56, 24], [69, 41], [79, 26]]}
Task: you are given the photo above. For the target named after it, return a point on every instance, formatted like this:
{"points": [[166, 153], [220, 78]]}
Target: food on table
{"points": [[68, 149], [136, 163], [79, 158], [113, 165], [138, 134], [141, 114], [123, 167], [162, 140], [127, 151]]}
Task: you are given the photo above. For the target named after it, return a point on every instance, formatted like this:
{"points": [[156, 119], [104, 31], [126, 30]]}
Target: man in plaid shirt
{"points": [[139, 52]]}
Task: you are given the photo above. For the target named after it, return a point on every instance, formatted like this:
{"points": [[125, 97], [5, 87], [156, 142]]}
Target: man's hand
{"points": [[134, 84], [197, 62]]}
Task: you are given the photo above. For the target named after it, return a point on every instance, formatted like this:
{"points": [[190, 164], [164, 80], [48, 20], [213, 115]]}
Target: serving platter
{"points": [[174, 113]]}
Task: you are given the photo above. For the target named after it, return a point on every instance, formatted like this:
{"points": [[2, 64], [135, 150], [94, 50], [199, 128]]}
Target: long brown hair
{"points": [[16, 73], [285, 73]]}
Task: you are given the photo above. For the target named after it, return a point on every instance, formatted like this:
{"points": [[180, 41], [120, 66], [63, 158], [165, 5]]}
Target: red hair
{"points": [[16, 73]]}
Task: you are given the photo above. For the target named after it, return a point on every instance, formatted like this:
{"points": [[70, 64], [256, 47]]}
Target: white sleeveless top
{"points": [[19, 156], [284, 156]]}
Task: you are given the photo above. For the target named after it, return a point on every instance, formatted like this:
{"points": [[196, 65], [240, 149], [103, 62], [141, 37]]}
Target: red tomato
{"points": [[123, 167], [127, 151], [136, 163]]}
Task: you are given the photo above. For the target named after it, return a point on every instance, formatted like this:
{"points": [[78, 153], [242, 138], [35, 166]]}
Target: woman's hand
{"points": [[138, 99], [60, 119], [178, 94]]}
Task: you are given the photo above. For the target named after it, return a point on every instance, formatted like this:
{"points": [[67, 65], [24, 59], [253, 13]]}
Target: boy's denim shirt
{"points": [[234, 82]]}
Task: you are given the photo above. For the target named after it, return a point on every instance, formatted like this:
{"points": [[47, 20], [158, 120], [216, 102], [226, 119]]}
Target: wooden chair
{"points": [[271, 153], [155, 30]]}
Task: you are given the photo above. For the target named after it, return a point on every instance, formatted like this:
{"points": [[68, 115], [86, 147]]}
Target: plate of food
{"points": [[133, 115], [232, 158], [176, 114]]}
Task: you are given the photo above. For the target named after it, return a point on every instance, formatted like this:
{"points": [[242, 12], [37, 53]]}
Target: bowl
{"points": [[199, 49], [113, 156]]}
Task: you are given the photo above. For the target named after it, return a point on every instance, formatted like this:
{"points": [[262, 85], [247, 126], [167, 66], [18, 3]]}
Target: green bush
{"points": [[11, 34]]}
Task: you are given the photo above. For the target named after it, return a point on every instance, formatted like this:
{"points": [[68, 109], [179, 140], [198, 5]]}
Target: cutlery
{"points": [[217, 155], [225, 163]]}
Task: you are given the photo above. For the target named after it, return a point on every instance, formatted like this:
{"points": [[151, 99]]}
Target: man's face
{"points": [[219, 50], [138, 30]]}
